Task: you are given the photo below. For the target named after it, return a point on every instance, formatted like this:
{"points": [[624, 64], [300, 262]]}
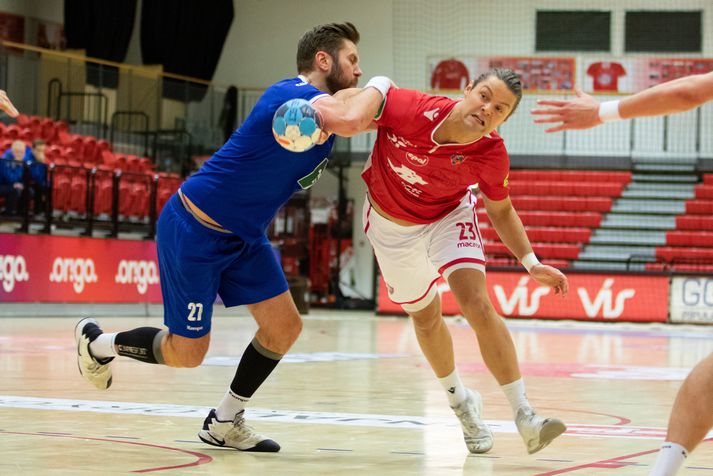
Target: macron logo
{"points": [[432, 114]]}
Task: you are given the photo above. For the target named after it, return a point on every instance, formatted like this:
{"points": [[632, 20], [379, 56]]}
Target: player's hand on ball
{"points": [[551, 277], [323, 136]]}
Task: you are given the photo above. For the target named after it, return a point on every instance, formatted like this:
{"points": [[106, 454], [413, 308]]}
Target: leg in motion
{"points": [[437, 346], [498, 350], [691, 419], [279, 325]]}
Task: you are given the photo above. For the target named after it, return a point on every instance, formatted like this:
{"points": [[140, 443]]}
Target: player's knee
{"points": [[426, 320], [293, 328], [478, 308], [186, 352], [193, 359]]}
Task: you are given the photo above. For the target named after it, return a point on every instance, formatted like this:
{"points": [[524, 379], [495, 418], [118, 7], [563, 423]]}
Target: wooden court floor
{"points": [[353, 397]]}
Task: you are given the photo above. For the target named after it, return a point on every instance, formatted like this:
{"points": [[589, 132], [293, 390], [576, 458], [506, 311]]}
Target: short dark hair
{"points": [[511, 79], [37, 142], [328, 38]]}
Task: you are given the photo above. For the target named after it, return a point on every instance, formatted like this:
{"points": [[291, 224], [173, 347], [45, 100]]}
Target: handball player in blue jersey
{"points": [[211, 237]]}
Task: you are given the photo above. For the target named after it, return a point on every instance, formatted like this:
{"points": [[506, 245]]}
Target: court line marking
{"points": [[326, 418], [611, 463], [201, 457]]}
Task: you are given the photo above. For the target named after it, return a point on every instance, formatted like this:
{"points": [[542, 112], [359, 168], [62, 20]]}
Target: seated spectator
{"points": [[18, 151], [12, 168], [37, 162]]}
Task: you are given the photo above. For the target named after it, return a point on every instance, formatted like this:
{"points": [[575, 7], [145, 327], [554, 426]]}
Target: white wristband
{"points": [[609, 111], [529, 261], [382, 83]]}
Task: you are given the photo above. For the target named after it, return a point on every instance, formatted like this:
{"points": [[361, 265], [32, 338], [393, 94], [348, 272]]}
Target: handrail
{"points": [[145, 70]]}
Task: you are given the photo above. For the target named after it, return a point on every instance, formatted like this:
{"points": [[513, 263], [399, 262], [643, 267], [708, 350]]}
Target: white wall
{"points": [[262, 43]]}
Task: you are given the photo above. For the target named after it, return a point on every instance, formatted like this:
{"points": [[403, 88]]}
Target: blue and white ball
{"points": [[297, 126]]}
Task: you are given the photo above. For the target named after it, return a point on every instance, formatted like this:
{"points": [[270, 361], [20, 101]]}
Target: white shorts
{"points": [[411, 258]]}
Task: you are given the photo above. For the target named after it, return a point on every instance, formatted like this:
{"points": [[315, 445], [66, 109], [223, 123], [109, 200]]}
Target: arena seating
{"points": [[560, 210], [76, 157], [689, 247]]}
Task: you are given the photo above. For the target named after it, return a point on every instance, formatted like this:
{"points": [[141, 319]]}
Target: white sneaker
{"points": [[235, 434], [96, 371], [477, 435], [537, 432]]}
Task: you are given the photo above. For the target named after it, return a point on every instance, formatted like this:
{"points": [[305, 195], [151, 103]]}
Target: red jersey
{"points": [[450, 74], [413, 178], [605, 75]]}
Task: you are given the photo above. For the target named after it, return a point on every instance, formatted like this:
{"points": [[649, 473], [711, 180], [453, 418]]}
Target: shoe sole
{"points": [[266, 446], [550, 430]]}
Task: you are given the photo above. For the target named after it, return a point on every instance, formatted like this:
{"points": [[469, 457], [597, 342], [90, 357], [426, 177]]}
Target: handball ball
{"points": [[297, 125]]}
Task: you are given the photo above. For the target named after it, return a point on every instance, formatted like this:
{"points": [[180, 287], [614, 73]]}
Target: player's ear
{"points": [[468, 88], [323, 61]]}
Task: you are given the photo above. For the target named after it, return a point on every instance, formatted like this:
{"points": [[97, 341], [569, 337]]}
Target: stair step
{"points": [[626, 238], [659, 194], [667, 187], [615, 253], [649, 167], [665, 207], [608, 265], [631, 221], [664, 178]]}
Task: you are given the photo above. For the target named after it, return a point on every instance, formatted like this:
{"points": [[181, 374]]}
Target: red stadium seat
{"points": [[699, 207], [689, 238], [685, 253], [546, 235], [704, 191], [556, 251], [694, 222], [574, 177]]}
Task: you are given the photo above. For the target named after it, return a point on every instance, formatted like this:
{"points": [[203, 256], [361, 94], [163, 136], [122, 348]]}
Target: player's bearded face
{"points": [[340, 77], [345, 70]]}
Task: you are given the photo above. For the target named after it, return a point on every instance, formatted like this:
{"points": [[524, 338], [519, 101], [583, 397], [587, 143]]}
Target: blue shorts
{"points": [[197, 263]]}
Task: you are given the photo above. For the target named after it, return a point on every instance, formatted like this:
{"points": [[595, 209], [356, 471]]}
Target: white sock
{"points": [[231, 405], [454, 388], [671, 457], [515, 393], [103, 346]]}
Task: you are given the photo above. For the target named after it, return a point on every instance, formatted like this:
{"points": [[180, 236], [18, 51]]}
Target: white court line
{"points": [[324, 418]]}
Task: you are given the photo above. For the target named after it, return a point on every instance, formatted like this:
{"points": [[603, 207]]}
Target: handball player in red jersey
{"points": [[430, 153]]}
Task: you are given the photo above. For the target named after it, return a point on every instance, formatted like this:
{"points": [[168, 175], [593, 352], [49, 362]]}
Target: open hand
{"points": [[551, 277], [581, 112]]}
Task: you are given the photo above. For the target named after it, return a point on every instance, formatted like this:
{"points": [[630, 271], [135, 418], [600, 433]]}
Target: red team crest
{"points": [[457, 159]]}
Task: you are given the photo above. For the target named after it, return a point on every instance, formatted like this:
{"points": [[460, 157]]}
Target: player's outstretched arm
{"points": [[584, 112], [512, 233], [6, 105], [350, 112]]}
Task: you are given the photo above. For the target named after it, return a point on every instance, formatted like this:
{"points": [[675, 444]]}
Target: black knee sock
{"points": [[255, 366], [143, 343]]}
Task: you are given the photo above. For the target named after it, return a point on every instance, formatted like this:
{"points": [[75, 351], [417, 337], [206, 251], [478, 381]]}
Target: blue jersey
{"points": [[244, 184]]}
